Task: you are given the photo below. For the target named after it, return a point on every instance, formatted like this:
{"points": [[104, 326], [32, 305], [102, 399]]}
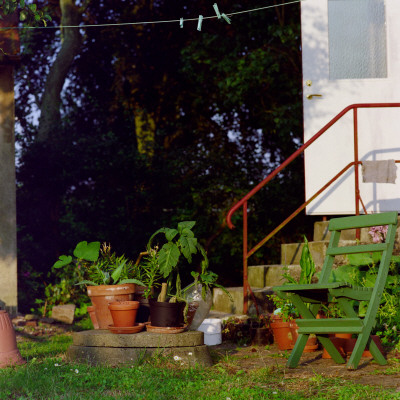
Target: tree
{"points": [[155, 125]]}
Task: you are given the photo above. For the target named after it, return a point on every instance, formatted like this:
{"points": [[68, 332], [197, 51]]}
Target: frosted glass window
{"points": [[357, 39]]}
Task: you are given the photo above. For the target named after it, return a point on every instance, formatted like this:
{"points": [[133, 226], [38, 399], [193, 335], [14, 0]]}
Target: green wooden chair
{"points": [[308, 298]]}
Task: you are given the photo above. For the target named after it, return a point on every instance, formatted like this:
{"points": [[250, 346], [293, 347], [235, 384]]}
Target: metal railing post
{"points": [[245, 278], [356, 170]]}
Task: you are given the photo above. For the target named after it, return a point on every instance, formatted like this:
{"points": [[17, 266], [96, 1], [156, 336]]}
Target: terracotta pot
{"points": [[282, 332], [166, 314], [346, 346], [343, 335], [312, 342], [9, 353], [103, 295], [92, 315], [124, 313]]}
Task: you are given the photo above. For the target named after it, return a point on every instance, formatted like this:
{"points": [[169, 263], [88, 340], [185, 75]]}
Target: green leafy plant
{"points": [[170, 258], [283, 308], [307, 266], [99, 265]]}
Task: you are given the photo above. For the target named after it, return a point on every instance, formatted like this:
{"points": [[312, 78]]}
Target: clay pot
{"points": [[92, 315], [9, 353], [166, 314], [124, 313], [282, 332], [103, 295], [346, 345], [312, 342]]}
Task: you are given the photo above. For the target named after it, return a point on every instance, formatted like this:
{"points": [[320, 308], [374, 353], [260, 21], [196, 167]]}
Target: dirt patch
{"points": [[311, 365]]}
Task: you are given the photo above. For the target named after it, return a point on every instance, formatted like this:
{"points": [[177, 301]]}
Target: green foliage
{"points": [[227, 110], [28, 13], [100, 266], [307, 266], [363, 271]]}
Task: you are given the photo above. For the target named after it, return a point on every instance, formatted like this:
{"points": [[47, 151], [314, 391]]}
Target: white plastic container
{"points": [[212, 331]]}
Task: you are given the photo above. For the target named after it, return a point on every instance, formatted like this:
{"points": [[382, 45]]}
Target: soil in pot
{"points": [[124, 313], [166, 314]]}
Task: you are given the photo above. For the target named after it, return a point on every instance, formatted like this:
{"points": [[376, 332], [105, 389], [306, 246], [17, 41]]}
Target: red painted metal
{"points": [[300, 150]]}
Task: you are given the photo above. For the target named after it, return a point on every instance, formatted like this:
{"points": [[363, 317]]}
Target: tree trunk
{"points": [[70, 43]]}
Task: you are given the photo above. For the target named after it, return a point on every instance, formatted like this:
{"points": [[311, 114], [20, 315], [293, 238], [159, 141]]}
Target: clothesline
{"points": [[179, 20]]}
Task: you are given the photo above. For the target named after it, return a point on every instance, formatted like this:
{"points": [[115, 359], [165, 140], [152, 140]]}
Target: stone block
{"points": [[101, 347], [64, 313]]}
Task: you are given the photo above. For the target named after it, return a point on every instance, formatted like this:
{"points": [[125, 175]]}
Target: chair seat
{"points": [[324, 292]]}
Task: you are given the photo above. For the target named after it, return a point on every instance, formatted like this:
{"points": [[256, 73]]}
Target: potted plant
{"points": [[285, 309], [172, 251], [107, 276]]}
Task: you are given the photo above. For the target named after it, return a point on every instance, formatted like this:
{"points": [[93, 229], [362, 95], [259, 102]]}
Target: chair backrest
{"points": [[336, 225]]}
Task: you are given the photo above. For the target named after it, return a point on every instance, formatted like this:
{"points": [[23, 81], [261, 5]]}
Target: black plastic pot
{"points": [[143, 314], [166, 314]]}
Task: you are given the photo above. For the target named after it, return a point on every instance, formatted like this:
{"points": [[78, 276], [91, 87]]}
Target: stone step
{"points": [[291, 252], [260, 276], [222, 303], [321, 233]]}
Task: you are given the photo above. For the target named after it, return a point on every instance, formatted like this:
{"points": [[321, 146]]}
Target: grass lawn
{"points": [[47, 375]]}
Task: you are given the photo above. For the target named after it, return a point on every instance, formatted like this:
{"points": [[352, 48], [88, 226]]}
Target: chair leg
{"points": [[331, 349], [359, 348], [376, 353], [297, 351]]}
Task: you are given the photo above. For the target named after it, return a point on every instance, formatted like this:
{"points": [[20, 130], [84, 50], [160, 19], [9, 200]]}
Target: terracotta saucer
{"points": [[166, 329], [126, 329]]}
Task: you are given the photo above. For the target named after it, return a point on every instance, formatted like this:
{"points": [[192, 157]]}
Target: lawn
{"points": [[238, 373]]}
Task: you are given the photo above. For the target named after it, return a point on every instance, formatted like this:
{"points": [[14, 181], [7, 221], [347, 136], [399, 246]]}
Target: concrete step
{"points": [[222, 304], [260, 276], [321, 233], [291, 252]]}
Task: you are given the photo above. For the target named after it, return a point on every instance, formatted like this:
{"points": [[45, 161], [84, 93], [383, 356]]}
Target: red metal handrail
{"points": [[243, 202]]}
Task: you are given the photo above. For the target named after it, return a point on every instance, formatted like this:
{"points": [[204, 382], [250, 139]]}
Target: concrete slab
{"points": [[222, 303], [291, 252], [101, 347]]}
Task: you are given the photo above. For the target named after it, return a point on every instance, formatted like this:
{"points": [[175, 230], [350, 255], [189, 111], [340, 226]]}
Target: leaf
{"points": [[187, 232], [117, 272], [91, 283], [185, 224], [168, 258], [188, 245], [360, 259], [32, 7], [135, 281], [170, 234], [87, 251], [63, 261], [22, 3]]}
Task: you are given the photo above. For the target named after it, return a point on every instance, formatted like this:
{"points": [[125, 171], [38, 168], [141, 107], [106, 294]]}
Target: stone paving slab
{"points": [[112, 356], [101, 347], [104, 338]]}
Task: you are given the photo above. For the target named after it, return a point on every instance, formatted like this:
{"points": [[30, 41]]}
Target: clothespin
{"points": [[226, 18], [181, 22], [200, 22], [217, 11]]}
